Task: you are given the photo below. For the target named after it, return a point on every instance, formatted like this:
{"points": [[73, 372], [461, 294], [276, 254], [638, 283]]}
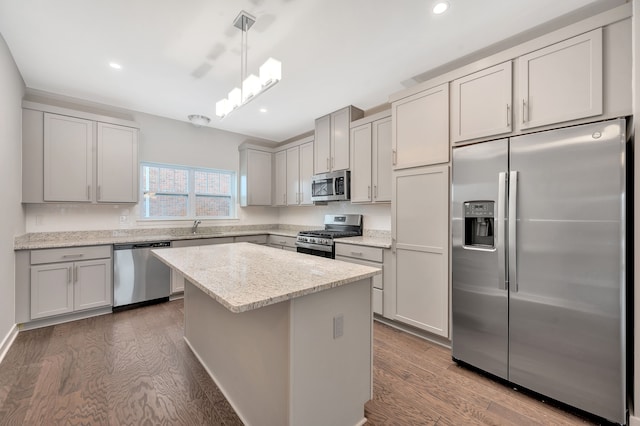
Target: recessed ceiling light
{"points": [[263, 110], [115, 65], [199, 120], [440, 7]]}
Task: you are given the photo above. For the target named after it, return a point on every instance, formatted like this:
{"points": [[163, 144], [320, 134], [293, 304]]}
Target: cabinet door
{"points": [[257, 187], [322, 144], [381, 160], [293, 176], [306, 171], [481, 103], [92, 284], [68, 158], [421, 128], [561, 82], [340, 131], [420, 229], [51, 289], [117, 169], [281, 179], [361, 164]]}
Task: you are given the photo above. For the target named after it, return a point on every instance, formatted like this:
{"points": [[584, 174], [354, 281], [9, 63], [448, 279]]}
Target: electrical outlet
{"points": [[338, 326], [123, 219]]}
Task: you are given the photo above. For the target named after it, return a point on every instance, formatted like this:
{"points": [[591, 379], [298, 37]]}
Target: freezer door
{"points": [[479, 294], [566, 309]]}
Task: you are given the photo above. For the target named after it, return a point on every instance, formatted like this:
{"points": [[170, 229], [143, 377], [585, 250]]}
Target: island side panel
{"points": [[246, 354], [331, 377]]}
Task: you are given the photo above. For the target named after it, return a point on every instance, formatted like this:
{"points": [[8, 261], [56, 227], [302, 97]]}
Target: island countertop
{"points": [[244, 276]]}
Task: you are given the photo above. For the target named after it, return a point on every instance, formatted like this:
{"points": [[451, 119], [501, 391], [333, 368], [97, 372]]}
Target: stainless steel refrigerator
{"points": [[538, 263]]}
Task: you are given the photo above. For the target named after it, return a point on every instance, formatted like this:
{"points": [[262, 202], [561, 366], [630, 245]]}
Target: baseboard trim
{"points": [[415, 332], [8, 341], [634, 421], [45, 322]]}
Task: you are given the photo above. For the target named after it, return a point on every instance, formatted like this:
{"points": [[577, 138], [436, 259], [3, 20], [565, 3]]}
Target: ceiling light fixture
{"points": [[251, 86], [440, 7], [199, 120], [115, 65]]}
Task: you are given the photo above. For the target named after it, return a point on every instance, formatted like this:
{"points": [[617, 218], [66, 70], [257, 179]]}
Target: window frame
{"points": [[191, 193]]}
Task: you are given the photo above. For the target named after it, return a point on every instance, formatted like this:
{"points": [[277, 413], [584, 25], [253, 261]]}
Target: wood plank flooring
{"points": [[134, 368]]}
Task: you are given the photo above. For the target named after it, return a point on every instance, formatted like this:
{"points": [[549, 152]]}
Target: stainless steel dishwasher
{"points": [[139, 277]]}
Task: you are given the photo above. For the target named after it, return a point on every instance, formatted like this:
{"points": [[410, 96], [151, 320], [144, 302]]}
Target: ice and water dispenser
{"points": [[479, 224]]}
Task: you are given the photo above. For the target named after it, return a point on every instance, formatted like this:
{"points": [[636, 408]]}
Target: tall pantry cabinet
{"points": [[419, 293]]}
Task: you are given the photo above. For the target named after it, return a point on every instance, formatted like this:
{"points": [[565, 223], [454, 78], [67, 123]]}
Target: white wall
{"points": [[375, 216], [12, 214], [161, 140]]}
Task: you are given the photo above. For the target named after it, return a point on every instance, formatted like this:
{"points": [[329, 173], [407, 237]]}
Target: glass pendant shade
{"points": [[270, 71], [250, 87]]}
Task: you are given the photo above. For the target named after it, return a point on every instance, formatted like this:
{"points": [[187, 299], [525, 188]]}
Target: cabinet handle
{"points": [[369, 191], [72, 256], [393, 245], [75, 275], [282, 242], [395, 157], [69, 275], [89, 192], [284, 198], [375, 191], [524, 108], [356, 253], [508, 115]]}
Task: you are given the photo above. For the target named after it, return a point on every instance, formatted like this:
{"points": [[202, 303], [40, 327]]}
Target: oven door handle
{"points": [[315, 246]]}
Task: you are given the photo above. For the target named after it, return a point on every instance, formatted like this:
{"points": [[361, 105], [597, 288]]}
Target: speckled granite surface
{"points": [[375, 240], [43, 240], [245, 276]]}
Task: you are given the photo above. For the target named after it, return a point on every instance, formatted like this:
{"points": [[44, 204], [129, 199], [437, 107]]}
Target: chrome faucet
{"points": [[194, 228]]}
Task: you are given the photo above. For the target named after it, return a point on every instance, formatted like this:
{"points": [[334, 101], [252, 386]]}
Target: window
{"points": [[178, 192]]}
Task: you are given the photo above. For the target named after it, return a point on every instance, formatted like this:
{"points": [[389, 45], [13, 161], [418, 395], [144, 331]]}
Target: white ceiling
{"points": [[180, 57]]}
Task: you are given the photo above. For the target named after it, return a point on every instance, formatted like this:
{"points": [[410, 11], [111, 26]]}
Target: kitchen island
{"points": [[286, 336]]}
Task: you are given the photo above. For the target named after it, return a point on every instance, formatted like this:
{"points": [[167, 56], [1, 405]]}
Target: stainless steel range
{"points": [[321, 242]]}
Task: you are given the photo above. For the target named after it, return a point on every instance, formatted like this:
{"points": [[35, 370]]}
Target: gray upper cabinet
{"points": [[280, 182], [561, 82], [255, 177], [117, 164], [77, 159], [481, 103], [371, 161], [68, 158], [331, 142], [420, 128]]}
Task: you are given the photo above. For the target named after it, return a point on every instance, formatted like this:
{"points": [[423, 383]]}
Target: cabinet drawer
{"points": [[69, 254], [373, 254], [255, 239], [377, 279], [280, 240], [377, 301]]}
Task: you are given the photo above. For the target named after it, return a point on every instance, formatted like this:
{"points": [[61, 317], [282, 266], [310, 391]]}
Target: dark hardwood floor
{"points": [[133, 368]]}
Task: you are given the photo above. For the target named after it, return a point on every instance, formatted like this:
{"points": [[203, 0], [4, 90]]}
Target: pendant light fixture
{"points": [[250, 86]]}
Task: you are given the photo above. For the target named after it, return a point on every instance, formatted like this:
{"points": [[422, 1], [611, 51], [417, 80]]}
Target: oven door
{"points": [[316, 250]]}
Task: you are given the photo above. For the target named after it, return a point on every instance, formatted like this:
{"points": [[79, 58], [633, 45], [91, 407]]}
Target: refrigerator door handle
{"points": [[503, 279], [513, 198]]}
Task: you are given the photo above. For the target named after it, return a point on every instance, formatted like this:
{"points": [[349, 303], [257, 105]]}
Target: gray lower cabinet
{"points": [[368, 256], [68, 280], [282, 242]]}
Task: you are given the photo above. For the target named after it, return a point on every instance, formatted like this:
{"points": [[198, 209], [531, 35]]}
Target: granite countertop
{"points": [[371, 241], [245, 276], [95, 238]]}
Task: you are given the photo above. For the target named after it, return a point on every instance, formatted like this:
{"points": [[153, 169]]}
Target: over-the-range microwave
{"points": [[334, 186]]}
